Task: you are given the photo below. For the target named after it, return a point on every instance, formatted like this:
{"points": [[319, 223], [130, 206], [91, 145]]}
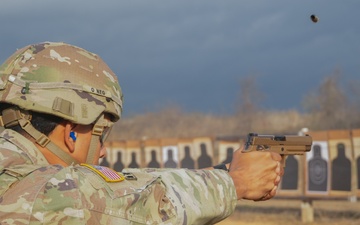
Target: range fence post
{"points": [[307, 211]]}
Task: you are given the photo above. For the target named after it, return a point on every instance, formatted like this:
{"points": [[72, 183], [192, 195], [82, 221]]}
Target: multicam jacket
{"points": [[34, 192]]}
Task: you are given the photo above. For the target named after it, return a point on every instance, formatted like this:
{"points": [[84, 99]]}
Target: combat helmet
{"points": [[62, 80]]}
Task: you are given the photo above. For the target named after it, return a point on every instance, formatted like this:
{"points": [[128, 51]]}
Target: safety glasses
{"points": [[102, 128], [105, 135]]}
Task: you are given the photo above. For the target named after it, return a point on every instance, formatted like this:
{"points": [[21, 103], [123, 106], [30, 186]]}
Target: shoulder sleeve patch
{"points": [[108, 174]]}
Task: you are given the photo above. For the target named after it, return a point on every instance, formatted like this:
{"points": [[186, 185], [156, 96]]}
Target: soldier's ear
{"points": [[69, 137]]}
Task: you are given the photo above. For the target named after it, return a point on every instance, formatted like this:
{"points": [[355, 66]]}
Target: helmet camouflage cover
{"points": [[62, 80]]}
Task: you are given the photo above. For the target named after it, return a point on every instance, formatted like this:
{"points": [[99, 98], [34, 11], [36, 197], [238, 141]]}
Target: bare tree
{"points": [[354, 96], [249, 102], [328, 105]]}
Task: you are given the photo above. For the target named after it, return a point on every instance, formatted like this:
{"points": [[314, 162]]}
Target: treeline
{"points": [[330, 106]]}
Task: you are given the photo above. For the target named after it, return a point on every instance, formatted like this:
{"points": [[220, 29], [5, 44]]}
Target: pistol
{"points": [[283, 144]]}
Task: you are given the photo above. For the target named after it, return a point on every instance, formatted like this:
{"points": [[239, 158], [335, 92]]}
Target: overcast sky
{"points": [[194, 52]]}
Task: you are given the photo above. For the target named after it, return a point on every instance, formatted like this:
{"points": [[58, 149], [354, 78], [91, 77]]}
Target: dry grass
{"points": [[284, 212], [172, 122]]}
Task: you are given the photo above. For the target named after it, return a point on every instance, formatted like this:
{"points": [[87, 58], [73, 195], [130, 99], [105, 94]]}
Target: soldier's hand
{"points": [[256, 174]]}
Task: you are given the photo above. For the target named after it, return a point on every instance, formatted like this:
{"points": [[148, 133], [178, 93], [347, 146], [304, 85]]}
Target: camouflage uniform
{"points": [[71, 83], [34, 192]]}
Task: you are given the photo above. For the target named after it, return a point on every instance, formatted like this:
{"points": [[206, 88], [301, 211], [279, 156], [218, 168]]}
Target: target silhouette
{"points": [[318, 170]]}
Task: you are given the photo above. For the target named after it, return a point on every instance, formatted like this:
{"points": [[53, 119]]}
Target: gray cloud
{"points": [[193, 53]]}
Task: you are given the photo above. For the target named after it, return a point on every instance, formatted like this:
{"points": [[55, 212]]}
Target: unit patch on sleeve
{"points": [[108, 174]]}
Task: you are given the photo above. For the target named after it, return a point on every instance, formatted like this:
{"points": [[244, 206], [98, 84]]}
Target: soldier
{"points": [[58, 103]]}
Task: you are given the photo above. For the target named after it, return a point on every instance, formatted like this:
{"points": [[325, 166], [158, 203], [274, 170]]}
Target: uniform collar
{"points": [[22, 145]]}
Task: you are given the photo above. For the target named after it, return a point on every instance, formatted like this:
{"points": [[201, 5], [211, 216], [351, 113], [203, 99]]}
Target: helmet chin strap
{"points": [[97, 131], [44, 141], [13, 116]]}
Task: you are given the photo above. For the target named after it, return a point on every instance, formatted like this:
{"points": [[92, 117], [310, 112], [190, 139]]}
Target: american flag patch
{"points": [[108, 174]]}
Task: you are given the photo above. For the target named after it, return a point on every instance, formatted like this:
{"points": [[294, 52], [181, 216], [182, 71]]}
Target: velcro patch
{"points": [[108, 174]]}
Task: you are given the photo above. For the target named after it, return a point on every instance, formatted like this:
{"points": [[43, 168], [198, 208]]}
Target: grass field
{"points": [[284, 212]]}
